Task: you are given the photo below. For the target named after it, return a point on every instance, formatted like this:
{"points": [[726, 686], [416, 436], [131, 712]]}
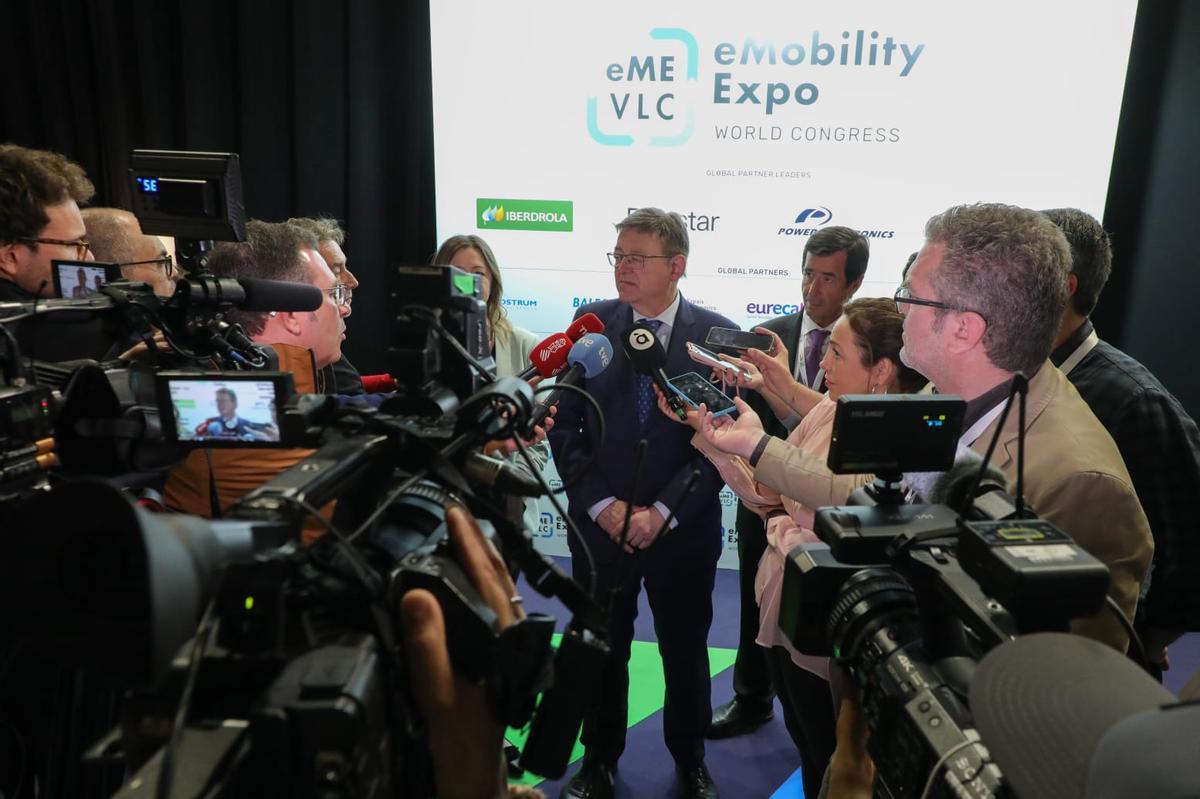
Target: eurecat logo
{"points": [[555, 216]]}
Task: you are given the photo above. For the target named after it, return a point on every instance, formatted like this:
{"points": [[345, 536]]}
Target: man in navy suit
{"points": [[678, 565]]}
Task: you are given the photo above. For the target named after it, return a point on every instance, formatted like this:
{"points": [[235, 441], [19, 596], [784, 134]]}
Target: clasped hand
{"points": [[644, 524]]}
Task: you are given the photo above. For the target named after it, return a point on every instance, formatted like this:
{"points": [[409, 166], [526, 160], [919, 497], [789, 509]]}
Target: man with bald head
{"points": [[116, 237]]}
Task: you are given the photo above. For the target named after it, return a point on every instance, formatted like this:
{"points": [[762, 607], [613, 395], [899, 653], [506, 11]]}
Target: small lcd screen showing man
{"points": [[78, 282], [217, 410]]}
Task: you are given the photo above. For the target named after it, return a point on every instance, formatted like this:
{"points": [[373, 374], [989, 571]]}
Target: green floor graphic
{"points": [[645, 691]]}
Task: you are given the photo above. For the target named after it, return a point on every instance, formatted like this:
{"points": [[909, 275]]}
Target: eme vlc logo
{"points": [[643, 96], [555, 216]]}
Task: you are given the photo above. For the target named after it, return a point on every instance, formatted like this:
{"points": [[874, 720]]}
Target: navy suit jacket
{"points": [[670, 457]]}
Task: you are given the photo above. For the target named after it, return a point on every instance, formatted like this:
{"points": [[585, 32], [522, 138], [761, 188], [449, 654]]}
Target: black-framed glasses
{"points": [[81, 245], [340, 293], [904, 296], [166, 262], [633, 259]]}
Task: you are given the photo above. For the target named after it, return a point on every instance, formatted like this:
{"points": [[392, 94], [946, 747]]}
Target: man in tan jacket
{"points": [[982, 302]]}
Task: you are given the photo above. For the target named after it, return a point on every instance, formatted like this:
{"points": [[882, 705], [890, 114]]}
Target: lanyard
{"points": [[976, 430], [1083, 349]]}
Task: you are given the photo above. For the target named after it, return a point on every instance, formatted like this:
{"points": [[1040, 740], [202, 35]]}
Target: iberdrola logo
{"points": [[556, 216]]}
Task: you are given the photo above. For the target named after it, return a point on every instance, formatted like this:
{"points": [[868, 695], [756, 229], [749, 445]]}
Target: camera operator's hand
{"points": [[732, 437], [466, 740], [851, 770], [507, 446]]}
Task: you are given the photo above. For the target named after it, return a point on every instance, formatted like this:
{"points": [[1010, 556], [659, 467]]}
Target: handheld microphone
{"points": [[647, 355], [588, 323], [590, 356], [377, 384], [549, 357]]}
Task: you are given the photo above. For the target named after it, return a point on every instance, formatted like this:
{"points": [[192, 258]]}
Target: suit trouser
{"points": [[807, 713], [679, 592], [751, 679]]}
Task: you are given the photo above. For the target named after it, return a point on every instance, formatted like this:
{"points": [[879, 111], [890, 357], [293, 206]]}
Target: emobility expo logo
{"points": [[556, 216], [643, 96]]}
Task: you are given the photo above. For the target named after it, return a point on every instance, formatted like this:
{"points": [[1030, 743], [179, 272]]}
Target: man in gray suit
{"points": [[835, 260]]}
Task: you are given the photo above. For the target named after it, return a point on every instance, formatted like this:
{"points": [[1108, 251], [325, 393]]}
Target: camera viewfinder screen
{"points": [[77, 281], [224, 410]]}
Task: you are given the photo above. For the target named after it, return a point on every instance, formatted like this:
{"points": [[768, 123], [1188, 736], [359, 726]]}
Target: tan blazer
{"points": [[1075, 479]]}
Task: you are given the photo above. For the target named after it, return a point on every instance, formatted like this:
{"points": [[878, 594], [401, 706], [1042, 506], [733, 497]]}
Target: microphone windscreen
{"points": [[645, 351], [588, 323], [1044, 702], [279, 295], [593, 353], [549, 357]]}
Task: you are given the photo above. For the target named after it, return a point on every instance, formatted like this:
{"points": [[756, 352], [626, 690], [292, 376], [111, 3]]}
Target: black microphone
{"points": [[589, 357], [502, 475], [648, 357]]}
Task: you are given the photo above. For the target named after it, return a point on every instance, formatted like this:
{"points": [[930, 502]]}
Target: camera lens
{"points": [[871, 602]]}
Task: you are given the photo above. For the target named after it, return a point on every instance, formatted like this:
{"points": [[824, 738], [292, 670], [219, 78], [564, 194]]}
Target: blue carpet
{"points": [[764, 763]]}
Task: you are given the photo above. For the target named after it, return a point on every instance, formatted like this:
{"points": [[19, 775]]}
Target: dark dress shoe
{"points": [[737, 717], [696, 783], [594, 780]]}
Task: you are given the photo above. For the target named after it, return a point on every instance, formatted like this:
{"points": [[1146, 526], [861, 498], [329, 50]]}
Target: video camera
{"points": [[906, 598], [295, 683]]}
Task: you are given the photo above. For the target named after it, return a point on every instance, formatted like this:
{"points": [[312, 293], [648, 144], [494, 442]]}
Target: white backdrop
{"points": [[760, 125]]}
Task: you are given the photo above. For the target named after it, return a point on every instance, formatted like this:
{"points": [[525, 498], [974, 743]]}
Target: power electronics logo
{"points": [[810, 220], [555, 216], [641, 103]]}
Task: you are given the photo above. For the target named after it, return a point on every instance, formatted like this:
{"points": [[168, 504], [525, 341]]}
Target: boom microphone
{"points": [[549, 357], [246, 293], [590, 356], [647, 355]]}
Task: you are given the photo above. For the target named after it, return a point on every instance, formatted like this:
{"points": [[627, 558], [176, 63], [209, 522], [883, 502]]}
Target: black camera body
{"points": [[907, 597]]}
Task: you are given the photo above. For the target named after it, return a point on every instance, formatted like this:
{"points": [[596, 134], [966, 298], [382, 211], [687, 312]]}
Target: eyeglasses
{"points": [[903, 296], [167, 264], [634, 260], [81, 245], [340, 292]]}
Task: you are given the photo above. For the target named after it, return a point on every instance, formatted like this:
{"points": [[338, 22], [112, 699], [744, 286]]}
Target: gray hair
{"points": [[323, 227], [667, 225], [271, 251], [1010, 265]]}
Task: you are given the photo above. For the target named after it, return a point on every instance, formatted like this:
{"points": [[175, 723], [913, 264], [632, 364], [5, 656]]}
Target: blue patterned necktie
{"points": [[645, 384]]}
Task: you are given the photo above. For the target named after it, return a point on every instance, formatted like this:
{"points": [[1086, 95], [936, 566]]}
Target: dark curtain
{"points": [[328, 103]]}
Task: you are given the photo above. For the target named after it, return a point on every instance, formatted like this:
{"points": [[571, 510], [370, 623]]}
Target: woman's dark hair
{"points": [[878, 330]]}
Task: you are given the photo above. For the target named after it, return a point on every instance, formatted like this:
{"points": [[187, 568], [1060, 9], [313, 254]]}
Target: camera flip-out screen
{"points": [[895, 433], [220, 409]]}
